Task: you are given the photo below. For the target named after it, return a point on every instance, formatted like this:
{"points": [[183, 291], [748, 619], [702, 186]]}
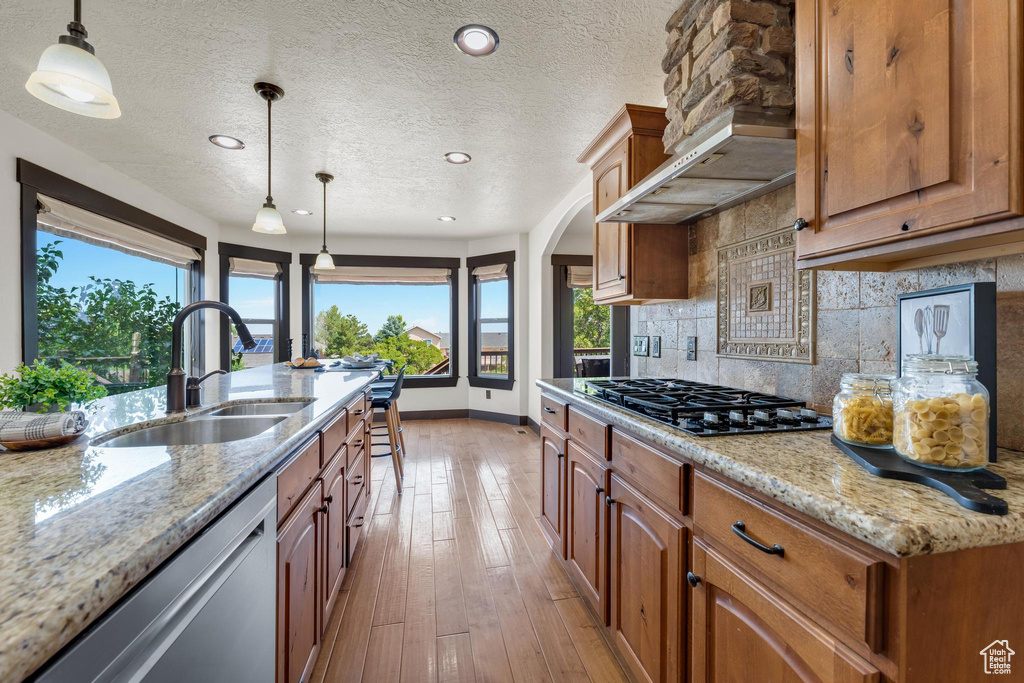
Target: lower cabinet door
{"points": [[744, 632], [354, 526], [334, 534], [298, 588], [586, 527], [647, 601], [552, 488]]}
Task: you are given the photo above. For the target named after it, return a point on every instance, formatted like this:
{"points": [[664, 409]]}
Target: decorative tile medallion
{"points": [[765, 305]]}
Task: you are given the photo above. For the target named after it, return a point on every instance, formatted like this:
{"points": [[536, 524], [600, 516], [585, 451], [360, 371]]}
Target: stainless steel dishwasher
{"points": [[207, 614]]}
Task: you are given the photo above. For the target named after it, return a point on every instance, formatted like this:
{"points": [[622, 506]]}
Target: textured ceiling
{"points": [[375, 94]]}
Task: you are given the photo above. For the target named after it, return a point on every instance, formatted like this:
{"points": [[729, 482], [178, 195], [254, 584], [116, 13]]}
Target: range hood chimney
{"points": [[734, 158]]}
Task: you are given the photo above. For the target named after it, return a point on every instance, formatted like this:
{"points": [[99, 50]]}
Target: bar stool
{"points": [[387, 399]]}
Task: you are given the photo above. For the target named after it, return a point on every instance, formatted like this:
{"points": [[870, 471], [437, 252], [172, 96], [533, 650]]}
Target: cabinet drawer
{"points": [[296, 476], [839, 583], [355, 478], [553, 412], [354, 526], [355, 442], [659, 475], [333, 437], [589, 432], [355, 411]]}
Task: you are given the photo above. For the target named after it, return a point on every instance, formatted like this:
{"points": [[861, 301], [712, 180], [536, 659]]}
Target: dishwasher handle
{"points": [[136, 660]]}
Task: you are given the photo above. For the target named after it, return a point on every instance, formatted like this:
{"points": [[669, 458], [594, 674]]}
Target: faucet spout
{"points": [[176, 377]]}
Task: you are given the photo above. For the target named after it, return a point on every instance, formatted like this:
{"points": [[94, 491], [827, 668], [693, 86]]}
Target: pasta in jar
{"points": [[862, 412]]}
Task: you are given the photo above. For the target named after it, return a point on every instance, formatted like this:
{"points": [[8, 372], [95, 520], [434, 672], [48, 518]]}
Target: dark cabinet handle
{"points": [[561, 455], [599, 489], [357, 444], [329, 499], [692, 579], [549, 411], [323, 508], [799, 224], [357, 412], [608, 500], [356, 526], [621, 276], [740, 529], [358, 479]]}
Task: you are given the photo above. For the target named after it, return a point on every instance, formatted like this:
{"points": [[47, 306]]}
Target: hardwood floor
{"points": [[454, 580]]}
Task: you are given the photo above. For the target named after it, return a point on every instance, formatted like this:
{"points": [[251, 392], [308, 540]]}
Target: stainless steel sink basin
{"points": [[276, 408], [199, 430]]}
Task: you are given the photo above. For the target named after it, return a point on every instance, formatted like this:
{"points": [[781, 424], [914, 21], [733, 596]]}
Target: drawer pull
{"points": [[324, 509], [549, 411], [740, 529], [608, 500], [329, 499], [561, 455], [599, 489], [357, 412], [358, 479], [799, 224], [356, 526], [692, 579]]}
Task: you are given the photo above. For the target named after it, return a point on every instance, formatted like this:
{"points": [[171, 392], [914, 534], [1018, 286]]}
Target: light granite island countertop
{"points": [[81, 525], [806, 472]]}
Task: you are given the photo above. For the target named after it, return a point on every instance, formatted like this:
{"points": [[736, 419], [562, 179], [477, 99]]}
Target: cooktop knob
{"points": [[711, 418], [762, 416], [736, 417], [785, 415], [808, 415]]}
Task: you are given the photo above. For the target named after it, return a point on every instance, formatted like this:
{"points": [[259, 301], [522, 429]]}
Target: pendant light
{"points": [[71, 77], [324, 260], [268, 219]]}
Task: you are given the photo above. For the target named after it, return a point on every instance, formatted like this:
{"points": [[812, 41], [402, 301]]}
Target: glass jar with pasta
{"points": [[941, 413], [862, 410]]}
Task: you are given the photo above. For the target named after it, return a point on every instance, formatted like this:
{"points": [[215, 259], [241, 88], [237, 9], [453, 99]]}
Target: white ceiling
{"points": [[375, 94]]}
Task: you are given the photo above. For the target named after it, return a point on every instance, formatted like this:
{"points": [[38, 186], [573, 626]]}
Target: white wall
{"points": [[543, 238], [18, 139]]}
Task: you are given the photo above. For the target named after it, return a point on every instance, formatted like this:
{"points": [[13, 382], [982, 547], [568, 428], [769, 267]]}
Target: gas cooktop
{"points": [[706, 409]]}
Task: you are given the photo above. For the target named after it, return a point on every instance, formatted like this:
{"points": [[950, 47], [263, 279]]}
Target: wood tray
{"points": [[963, 487]]}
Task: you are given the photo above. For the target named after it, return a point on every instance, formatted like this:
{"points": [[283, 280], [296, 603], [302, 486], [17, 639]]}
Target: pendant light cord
{"points": [[325, 214], [270, 198], [78, 11]]}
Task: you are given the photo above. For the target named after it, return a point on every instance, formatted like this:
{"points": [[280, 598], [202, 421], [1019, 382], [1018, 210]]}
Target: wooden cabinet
{"points": [[633, 263], [646, 596], [299, 589], [586, 527], [552, 488], [908, 132], [742, 632], [334, 558]]}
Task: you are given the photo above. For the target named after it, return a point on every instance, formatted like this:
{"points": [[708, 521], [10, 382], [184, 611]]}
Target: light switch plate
{"points": [[656, 347], [691, 348], [640, 345]]}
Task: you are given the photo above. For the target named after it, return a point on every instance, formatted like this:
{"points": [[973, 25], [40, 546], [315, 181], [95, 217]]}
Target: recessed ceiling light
{"points": [[227, 142], [446, 219], [303, 212], [457, 158], [476, 40]]}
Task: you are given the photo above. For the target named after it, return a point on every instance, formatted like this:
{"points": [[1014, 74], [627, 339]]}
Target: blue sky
{"points": [[426, 306]]}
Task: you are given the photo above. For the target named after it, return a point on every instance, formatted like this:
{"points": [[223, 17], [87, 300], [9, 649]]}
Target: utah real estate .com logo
{"points": [[997, 657]]}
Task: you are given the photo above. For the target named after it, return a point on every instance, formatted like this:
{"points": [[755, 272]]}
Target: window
{"points": [[403, 308], [491, 297], [255, 283], [105, 295]]}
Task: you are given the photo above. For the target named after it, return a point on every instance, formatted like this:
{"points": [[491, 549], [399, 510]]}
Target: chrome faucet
{"points": [[182, 390]]}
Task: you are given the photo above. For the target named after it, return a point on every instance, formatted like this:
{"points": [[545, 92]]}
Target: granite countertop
{"points": [[81, 525], [806, 472]]}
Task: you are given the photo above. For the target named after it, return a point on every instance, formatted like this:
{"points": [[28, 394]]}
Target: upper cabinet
{"points": [[633, 263], [908, 132]]}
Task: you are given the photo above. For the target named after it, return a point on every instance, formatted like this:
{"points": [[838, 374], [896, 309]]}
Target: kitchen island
{"points": [[728, 557], [82, 525]]}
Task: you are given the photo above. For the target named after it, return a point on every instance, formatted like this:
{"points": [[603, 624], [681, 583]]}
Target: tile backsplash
{"points": [[855, 322]]}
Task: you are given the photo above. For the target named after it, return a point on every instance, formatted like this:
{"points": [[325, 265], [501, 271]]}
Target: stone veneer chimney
{"points": [[725, 54]]}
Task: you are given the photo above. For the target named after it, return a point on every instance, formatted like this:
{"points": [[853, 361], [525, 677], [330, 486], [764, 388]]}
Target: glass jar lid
{"points": [[942, 365], [858, 381]]}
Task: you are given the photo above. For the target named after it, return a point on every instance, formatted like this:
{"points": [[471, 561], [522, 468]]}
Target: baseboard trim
{"points": [[533, 425], [518, 420]]}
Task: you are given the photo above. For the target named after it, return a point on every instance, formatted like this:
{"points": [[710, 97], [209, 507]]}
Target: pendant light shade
{"points": [[71, 77], [268, 218], [324, 260]]}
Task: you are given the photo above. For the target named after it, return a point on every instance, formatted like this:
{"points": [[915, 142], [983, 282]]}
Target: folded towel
{"points": [[34, 426]]}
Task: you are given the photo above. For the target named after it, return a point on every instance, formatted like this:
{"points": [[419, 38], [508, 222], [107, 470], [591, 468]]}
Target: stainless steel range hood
{"points": [[736, 157]]}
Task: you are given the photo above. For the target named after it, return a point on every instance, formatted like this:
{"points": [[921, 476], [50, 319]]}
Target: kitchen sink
{"points": [[275, 408], [200, 430]]}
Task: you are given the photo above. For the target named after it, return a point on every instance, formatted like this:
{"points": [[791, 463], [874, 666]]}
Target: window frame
{"points": [[306, 262], [476, 379], [36, 180], [282, 307]]}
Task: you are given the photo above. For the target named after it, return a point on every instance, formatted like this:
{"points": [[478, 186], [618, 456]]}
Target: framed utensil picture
{"points": [[956, 320]]}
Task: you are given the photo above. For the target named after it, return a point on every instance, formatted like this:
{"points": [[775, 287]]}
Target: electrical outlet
{"points": [[656, 347], [487, 393], [691, 348], [639, 345]]}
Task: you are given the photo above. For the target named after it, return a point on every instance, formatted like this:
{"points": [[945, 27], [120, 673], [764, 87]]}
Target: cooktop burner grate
{"points": [[706, 409]]}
